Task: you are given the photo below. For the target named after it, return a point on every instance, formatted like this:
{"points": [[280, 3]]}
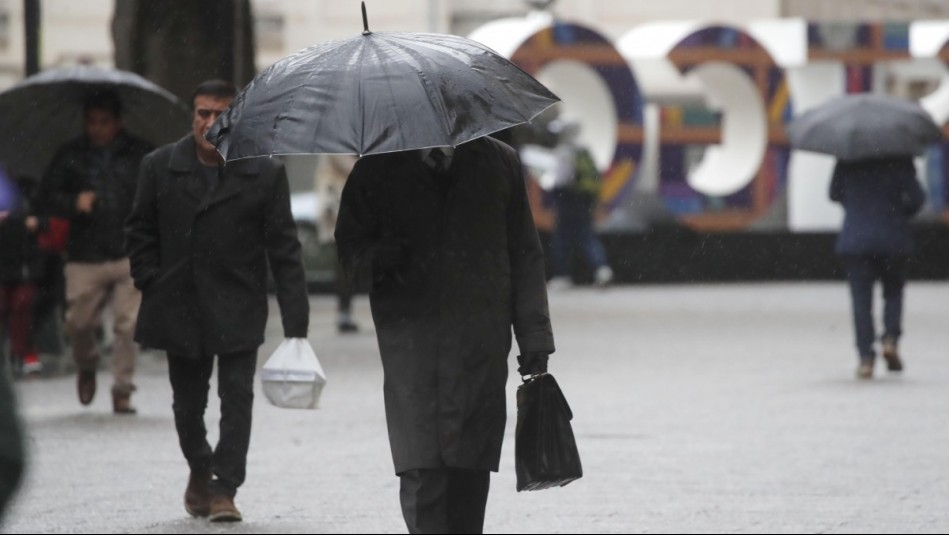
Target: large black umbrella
{"points": [[864, 126], [376, 93], [45, 110]]}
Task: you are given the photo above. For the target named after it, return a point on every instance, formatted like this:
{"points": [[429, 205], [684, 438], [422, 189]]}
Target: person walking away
{"points": [[21, 267], [331, 175], [91, 181], [879, 197], [445, 241], [200, 238], [576, 200]]}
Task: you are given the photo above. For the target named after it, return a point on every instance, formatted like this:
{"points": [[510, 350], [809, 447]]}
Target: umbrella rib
{"points": [[315, 50], [420, 76], [359, 99], [496, 83]]}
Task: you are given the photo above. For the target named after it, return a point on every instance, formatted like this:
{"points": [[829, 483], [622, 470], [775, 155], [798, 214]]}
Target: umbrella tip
{"points": [[365, 21]]}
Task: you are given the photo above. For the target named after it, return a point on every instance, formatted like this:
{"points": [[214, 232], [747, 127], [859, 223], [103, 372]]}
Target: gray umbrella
{"points": [[864, 126], [45, 110], [376, 93]]}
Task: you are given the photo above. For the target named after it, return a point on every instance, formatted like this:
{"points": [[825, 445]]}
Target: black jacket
{"points": [[112, 174], [880, 198], [20, 259], [474, 268], [201, 259]]}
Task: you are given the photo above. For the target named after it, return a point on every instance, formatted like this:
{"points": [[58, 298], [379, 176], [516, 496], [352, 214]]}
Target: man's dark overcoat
{"points": [[200, 258], [474, 268]]}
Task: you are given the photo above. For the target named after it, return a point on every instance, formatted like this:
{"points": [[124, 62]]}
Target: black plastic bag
{"points": [[545, 452]]}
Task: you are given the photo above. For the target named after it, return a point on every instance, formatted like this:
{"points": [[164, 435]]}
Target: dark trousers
{"points": [[862, 273], [444, 500], [190, 382], [344, 292], [575, 231], [16, 315]]}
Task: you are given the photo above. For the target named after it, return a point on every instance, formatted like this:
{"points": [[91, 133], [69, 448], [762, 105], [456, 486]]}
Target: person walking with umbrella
{"points": [[200, 238], [874, 139], [880, 197], [452, 259], [84, 130], [91, 181], [434, 221]]}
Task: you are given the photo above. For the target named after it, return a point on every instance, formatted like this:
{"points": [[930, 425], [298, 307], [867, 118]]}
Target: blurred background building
{"points": [[74, 31]]}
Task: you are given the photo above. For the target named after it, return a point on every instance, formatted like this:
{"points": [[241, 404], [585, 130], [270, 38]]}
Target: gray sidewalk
{"points": [[697, 409]]}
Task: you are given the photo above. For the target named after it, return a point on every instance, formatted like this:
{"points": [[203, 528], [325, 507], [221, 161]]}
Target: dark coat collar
{"points": [[184, 160]]}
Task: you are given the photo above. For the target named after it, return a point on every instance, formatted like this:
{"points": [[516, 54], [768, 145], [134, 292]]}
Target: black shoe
{"points": [[347, 327]]}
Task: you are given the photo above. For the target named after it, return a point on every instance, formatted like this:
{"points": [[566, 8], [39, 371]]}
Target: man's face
{"points": [[206, 110], [102, 127]]}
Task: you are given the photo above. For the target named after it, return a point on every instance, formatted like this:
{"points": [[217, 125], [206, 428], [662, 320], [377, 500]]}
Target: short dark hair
{"points": [[103, 99], [216, 88]]}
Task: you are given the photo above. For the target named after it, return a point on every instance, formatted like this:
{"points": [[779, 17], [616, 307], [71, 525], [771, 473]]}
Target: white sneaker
{"points": [[32, 365], [557, 284], [604, 276]]}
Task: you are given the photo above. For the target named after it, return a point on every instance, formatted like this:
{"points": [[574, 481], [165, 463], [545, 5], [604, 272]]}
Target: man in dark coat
{"points": [[447, 244], [879, 197], [91, 182], [200, 238]]}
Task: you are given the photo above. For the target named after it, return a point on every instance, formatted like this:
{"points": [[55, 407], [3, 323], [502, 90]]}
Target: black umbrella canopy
{"points": [[376, 93], [864, 126], [45, 110]]}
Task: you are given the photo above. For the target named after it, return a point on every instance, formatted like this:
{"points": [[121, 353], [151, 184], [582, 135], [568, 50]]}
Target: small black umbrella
{"points": [[376, 93], [864, 126], [44, 111]]}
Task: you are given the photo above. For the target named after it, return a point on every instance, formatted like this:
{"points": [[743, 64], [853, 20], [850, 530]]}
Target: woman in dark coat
{"points": [[453, 262], [880, 197]]}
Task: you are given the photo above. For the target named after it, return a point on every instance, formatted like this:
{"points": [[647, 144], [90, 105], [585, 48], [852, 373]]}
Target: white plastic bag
{"points": [[292, 377]]}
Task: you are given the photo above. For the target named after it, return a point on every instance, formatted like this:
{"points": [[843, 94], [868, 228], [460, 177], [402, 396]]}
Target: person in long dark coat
{"points": [[453, 261], [200, 237], [880, 197]]}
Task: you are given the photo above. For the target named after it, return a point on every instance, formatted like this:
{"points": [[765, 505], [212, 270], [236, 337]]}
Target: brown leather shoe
{"points": [[122, 404], [223, 509], [86, 384], [865, 370], [197, 495], [892, 356]]}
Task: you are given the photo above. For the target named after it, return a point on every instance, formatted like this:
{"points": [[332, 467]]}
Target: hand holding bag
{"points": [[292, 377], [545, 451]]}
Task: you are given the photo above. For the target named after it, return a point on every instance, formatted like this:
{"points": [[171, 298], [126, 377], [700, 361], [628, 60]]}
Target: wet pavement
{"points": [[699, 408]]}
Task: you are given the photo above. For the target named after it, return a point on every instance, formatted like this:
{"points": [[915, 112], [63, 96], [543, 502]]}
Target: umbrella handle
{"points": [[365, 21]]}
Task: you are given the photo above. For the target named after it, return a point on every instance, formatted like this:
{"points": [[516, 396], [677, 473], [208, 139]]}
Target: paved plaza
{"points": [[727, 408]]}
